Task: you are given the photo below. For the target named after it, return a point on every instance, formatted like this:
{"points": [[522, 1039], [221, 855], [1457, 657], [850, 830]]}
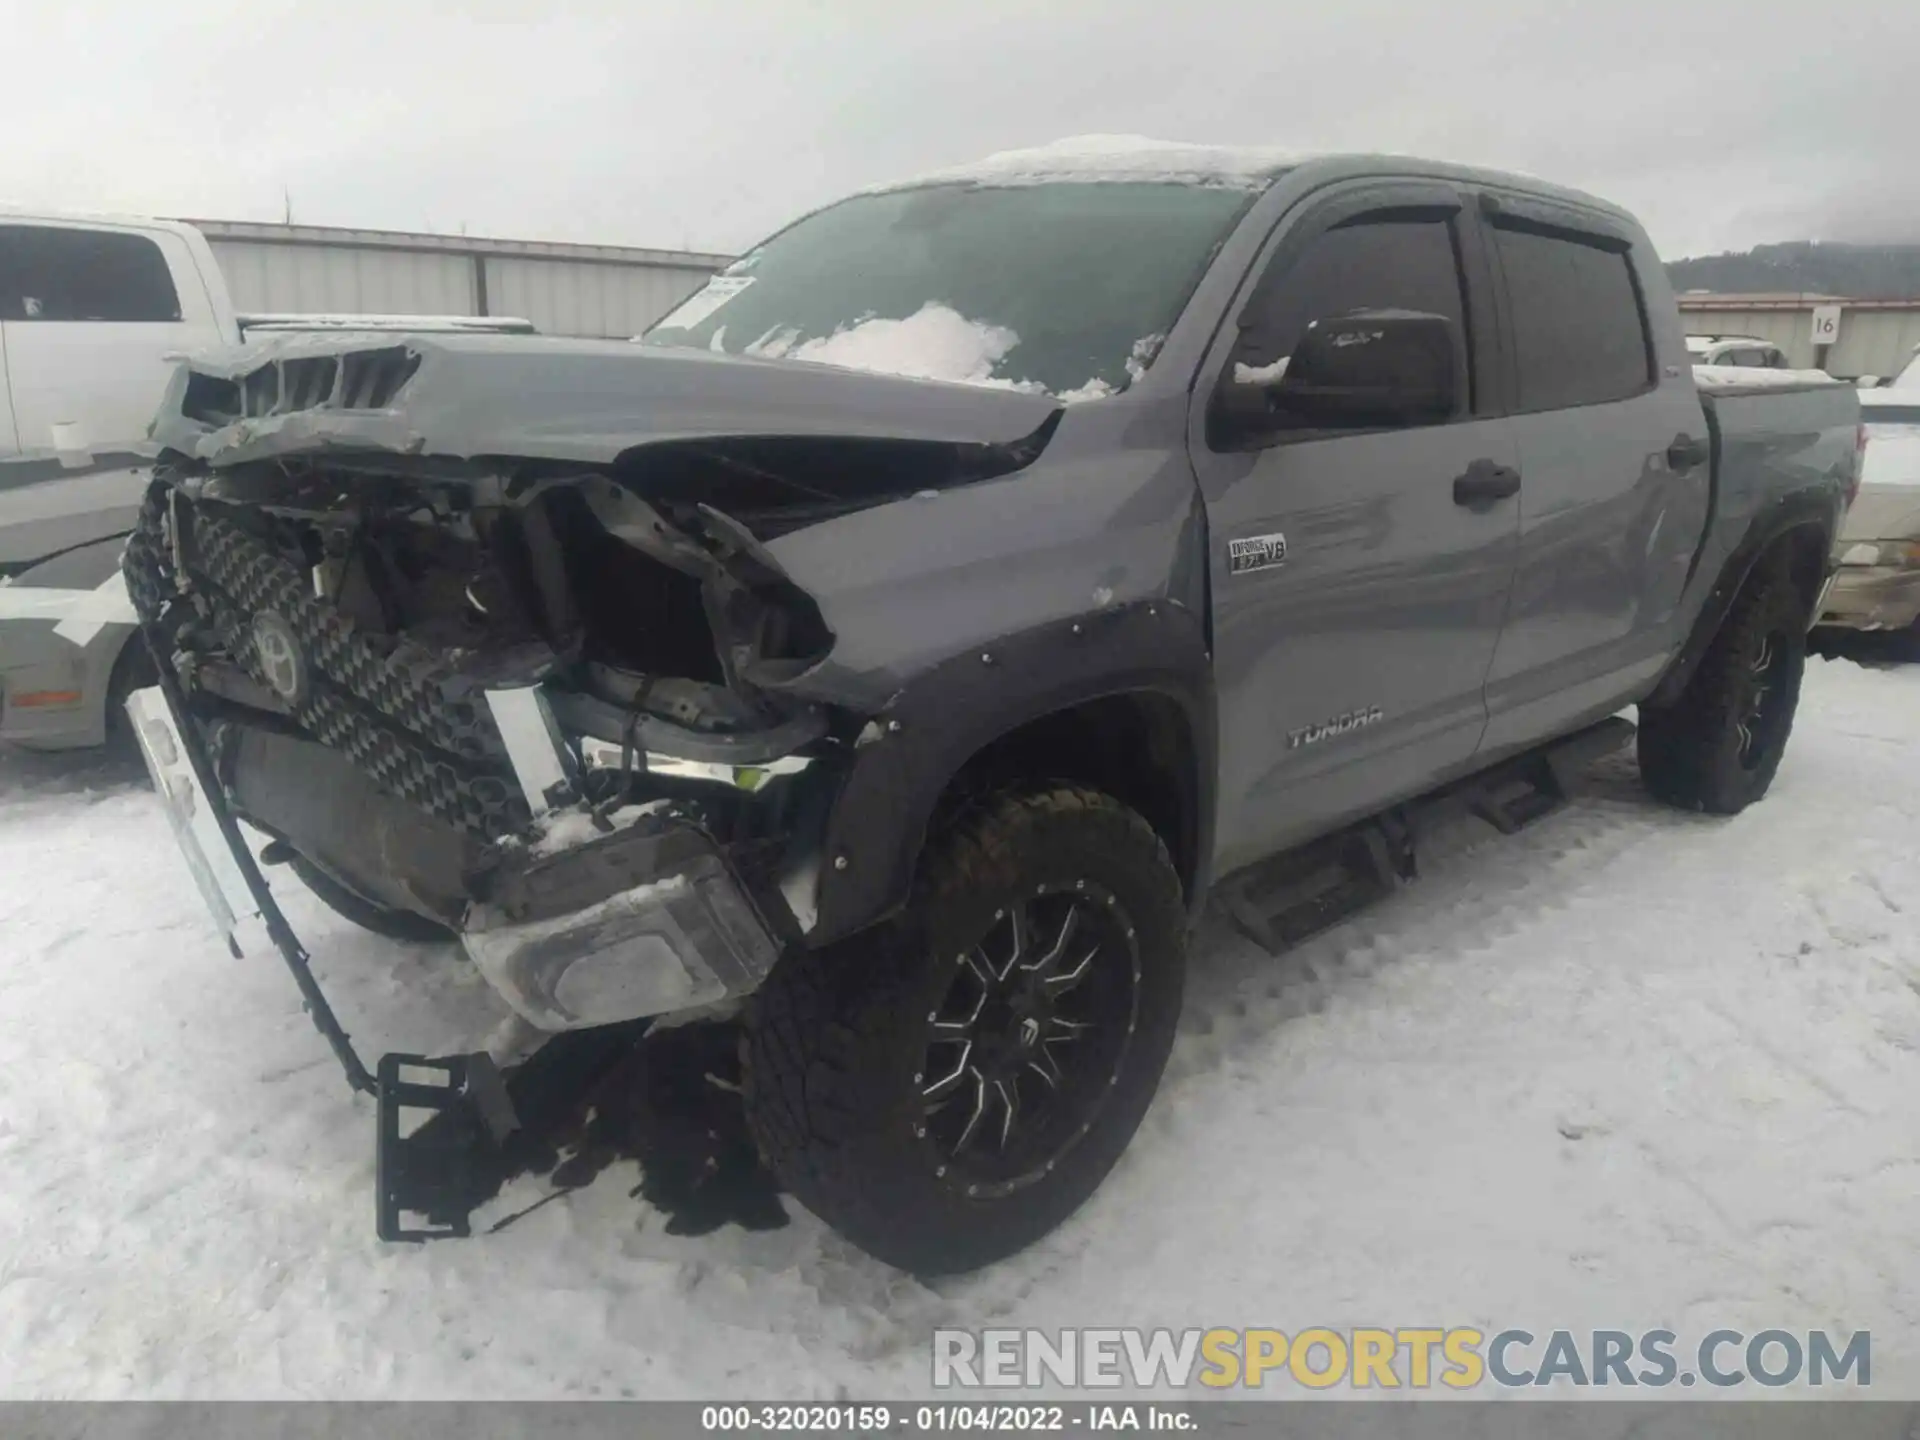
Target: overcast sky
{"points": [[704, 123]]}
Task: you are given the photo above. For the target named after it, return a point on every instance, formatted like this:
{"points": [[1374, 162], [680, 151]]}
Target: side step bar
{"points": [[1284, 901]]}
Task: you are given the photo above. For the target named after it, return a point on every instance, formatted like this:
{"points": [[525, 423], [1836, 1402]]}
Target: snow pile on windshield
{"points": [[1094, 389], [936, 342], [1144, 349], [1115, 158]]}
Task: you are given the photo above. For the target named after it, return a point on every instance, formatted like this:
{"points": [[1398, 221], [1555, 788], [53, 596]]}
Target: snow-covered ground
{"points": [[1629, 1068]]}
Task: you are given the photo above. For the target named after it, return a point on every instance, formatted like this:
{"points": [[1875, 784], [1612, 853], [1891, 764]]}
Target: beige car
{"points": [[1877, 585]]}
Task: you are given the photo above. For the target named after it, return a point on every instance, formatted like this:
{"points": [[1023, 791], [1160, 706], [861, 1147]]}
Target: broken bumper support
{"points": [[183, 777], [422, 1174], [644, 921], [426, 1179]]}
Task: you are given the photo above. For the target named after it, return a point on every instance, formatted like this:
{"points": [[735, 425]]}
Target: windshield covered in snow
{"points": [[1060, 287]]}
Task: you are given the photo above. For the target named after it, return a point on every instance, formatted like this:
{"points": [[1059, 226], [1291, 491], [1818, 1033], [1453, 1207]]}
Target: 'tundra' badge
{"points": [[1256, 552]]}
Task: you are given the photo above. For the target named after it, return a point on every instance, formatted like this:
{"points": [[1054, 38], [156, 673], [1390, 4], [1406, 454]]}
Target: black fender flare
{"points": [[1816, 508], [946, 715]]}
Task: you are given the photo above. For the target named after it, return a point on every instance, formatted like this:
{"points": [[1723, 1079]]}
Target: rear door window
{"points": [[52, 273], [1579, 329]]}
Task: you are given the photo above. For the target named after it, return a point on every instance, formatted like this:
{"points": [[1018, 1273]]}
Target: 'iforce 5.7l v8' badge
{"points": [[1256, 552]]}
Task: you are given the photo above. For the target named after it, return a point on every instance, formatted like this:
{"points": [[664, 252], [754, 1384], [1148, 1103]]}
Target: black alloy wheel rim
{"points": [[1029, 1041], [1765, 700]]}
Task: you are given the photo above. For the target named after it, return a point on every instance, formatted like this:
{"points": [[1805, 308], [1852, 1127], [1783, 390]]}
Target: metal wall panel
{"points": [[1875, 342], [564, 289], [563, 297], [344, 280], [1872, 342]]}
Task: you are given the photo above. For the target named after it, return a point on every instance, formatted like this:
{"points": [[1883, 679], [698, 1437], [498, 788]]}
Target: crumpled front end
{"points": [[522, 715], [485, 630]]}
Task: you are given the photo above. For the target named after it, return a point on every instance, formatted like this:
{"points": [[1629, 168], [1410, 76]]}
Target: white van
{"points": [[90, 311], [1743, 350], [94, 310]]}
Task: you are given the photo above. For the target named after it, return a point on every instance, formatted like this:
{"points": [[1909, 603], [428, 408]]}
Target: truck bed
{"points": [[1774, 432]]}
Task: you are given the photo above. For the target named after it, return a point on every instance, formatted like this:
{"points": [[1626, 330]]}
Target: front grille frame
{"points": [[403, 715]]}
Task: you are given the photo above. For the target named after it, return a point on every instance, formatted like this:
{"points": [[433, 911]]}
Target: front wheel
{"points": [[947, 1089], [1717, 747]]}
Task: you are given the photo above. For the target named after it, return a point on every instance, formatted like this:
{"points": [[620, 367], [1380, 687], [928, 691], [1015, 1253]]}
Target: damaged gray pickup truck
{"points": [[1218, 509]]}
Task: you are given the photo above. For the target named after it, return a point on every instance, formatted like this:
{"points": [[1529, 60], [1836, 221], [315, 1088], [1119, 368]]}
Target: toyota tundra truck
{"points": [[903, 639]]}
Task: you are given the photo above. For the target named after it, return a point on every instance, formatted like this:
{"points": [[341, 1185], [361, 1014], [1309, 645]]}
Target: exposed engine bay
{"points": [[380, 616], [506, 578]]}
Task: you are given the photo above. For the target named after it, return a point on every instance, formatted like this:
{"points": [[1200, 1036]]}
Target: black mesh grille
{"points": [[393, 712]]}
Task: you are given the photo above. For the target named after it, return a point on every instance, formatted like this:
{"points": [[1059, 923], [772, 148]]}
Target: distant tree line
{"points": [[1860, 272]]}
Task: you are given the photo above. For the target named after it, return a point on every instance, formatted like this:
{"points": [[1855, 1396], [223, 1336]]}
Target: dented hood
{"points": [[587, 401]]}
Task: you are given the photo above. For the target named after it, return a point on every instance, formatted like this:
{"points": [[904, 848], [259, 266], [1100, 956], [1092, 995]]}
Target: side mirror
{"points": [[1365, 369]]}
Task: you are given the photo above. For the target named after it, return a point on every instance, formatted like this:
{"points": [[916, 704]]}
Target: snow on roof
{"points": [[1094, 158], [1749, 377], [1889, 398], [26, 215], [486, 324], [1735, 299]]}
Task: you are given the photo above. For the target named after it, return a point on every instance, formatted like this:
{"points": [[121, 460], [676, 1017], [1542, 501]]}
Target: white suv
{"points": [[1742, 350]]}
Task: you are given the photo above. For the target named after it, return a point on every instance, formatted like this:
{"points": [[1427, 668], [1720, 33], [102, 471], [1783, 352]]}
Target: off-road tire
{"points": [[1691, 752], [401, 925], [835, 1040]]}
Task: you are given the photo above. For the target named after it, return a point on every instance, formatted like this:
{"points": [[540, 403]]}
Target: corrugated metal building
{"points": [[1876, 336], [600, 290]]}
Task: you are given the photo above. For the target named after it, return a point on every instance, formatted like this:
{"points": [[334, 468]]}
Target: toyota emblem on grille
{"points": [[278, 651]]}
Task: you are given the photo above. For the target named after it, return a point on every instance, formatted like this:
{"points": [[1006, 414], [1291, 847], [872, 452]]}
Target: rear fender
{"points": [[1814, 513]]}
